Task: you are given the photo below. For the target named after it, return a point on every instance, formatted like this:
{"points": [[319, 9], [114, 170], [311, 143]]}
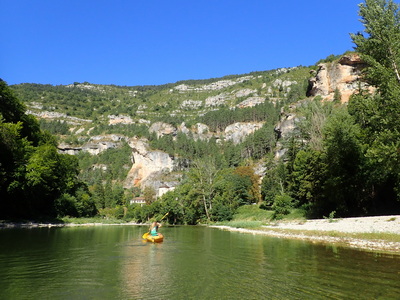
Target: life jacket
{"points": [[153, 231]]}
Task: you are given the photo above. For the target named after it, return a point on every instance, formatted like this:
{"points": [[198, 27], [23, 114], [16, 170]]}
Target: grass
{"points": [[252, 217], [252, 213], [295, 214]]}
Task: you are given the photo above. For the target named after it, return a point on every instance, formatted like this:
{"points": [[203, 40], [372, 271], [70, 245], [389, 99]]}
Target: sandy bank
{"points": [[338, 231]]}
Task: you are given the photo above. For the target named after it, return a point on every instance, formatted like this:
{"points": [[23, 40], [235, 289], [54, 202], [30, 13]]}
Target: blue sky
{"points": [[151, 42]]}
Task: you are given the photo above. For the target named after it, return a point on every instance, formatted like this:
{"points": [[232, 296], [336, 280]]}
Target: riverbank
{"points": [[370, 233], [50, 224]]}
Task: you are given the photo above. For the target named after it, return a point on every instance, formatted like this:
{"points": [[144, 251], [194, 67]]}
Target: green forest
{"points": [[341, 160]]}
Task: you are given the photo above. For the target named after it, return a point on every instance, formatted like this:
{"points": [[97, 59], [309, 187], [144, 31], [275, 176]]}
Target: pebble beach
{"points": [[337, 231]]}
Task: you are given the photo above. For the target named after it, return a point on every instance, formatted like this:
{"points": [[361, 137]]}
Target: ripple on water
{"points": [[192, 263]]}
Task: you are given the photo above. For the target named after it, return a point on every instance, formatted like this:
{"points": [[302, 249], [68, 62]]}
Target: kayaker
{"points": [[154, 228]]}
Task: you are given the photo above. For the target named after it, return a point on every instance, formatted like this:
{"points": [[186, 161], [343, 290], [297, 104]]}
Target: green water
{"points": [[112, 262]]}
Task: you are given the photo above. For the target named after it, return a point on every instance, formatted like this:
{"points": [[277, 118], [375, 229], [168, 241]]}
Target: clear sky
{"points": [[130, 42]]}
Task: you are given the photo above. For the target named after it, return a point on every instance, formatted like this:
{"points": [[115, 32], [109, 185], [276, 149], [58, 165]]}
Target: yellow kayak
{"points": [[154, 239]]}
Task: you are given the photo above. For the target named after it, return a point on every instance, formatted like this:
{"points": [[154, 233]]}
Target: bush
{"points": [[65, 205], [221, 212], [282, 205], [110, 213]]}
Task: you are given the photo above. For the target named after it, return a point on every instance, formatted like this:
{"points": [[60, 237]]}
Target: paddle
{"points": [[164, 216]]}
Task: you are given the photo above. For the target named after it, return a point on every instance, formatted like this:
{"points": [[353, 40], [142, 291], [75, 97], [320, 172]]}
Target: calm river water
{"points": [[112, 262]]}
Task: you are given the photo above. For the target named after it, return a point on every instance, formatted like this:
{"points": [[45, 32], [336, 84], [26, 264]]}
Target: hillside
{"points": [[93, 118], [82, 103]]}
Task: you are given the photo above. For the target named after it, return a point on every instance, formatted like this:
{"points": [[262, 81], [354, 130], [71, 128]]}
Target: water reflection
{"points": [[143, 271], [191, 263]]}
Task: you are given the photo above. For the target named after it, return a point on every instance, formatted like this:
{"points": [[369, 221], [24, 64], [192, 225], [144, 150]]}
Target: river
{"points": [[112, 262]]}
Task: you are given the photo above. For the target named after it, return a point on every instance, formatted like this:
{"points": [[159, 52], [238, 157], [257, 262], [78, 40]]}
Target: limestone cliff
{"points": [[343, 75], [237, 132], [150, 165], [146, 163]]}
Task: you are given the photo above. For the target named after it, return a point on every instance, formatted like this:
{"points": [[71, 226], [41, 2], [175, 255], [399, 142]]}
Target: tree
{"points": [[14, 151], [380, 45], [283, 204], [315, 113], [380, 49], [260, 142], [98, 193], [232, 189], [344, 162], [307, 179], [337, 96], [203, 175], [33, 174], [48, 175], [171, 203], [149, 194], [253, 190], [379, 114], [13, 111], [274, 180]]}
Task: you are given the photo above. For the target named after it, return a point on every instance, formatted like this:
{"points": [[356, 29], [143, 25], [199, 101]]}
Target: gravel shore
{"points": [[338, 231], [382, 224]]}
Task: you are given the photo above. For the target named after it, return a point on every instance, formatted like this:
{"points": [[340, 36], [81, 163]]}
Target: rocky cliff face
{"points": [[146, 163], [95, 145], [237, 132], [287, 124], [343, 75], [149, 165]]}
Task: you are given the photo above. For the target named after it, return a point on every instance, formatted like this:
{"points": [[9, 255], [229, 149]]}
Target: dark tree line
{"points": [[35, 180]]}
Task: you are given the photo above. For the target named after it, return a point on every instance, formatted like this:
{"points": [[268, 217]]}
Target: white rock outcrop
{"points": [[57, 116], [218, 85], [161, 129], [217, 100], [251, 101], [238, 131], [244, 93], [191, 104], [146, 163], [120, 119]]}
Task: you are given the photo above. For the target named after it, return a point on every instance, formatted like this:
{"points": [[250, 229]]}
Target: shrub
{"points": [[282, 205]]}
